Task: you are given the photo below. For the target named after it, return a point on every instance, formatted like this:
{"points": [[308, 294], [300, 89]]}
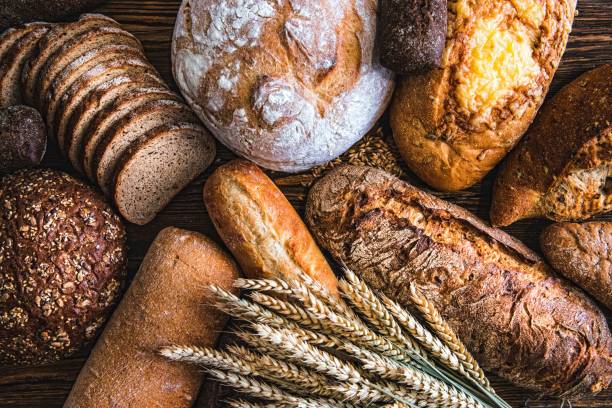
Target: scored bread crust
{"points": [[581, 253], [572, 133], [100, 94], [131, 129], [12, 62], [286, 84], [54, 39], [261, 227], [172, 155], [504, 302], [454, 124], [106, 119]]}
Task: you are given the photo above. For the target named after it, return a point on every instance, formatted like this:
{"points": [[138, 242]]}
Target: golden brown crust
{"points": [[517, 319], [166, 304], [445, 135], [583, 254], [570, 134], [260, 227]]}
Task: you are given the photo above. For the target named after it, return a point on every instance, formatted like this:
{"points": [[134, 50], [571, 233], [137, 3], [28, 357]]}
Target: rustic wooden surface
{"points": [[152, 21]]}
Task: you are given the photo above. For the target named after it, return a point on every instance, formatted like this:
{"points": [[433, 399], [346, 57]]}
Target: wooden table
{"points": [[152, 21]]}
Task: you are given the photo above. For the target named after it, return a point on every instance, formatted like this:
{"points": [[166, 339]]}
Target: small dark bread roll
{"points": [[23, 138], [62, 264], [412, 34], [583, 254], [15, 12]]}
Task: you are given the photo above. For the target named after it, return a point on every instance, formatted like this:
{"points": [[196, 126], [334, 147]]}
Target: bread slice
{"points": [[562, 169], [78, 54], [92, 64], [131, 129], [13, 60], [106, 119], [153, 171], [54, 39], [10, 37], [79, 109]]}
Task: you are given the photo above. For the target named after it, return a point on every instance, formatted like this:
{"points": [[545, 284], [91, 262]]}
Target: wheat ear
{"points": [[208, 357], [263, 285], [260, 389], [447, 335], [247, 404], [369, 305]]}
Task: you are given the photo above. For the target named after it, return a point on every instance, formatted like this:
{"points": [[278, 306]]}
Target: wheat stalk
{"points": [[447, 335], [247, 404]]}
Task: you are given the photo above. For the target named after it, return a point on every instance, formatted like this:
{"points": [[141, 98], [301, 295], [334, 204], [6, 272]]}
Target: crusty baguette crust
{"points": [[449, 146], [575, 117], [260, 227], [583, 254], [517, 319], [166, 304]]}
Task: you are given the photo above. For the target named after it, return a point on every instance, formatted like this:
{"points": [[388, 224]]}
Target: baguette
{"points": [[582, 253], [454, 124], [505, 304], [260, 227], [165, 304], [561, 169]]}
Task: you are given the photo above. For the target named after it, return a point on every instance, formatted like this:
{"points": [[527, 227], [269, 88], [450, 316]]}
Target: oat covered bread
{"points": [[63, 260], [583, 254], [454, 124], [561, 170], [287, 84], [513, 314], [14, 12]]}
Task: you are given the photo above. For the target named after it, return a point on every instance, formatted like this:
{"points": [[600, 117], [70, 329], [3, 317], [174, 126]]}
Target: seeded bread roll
{"points": [[62, 264], [23, 139], [454, 124], [288, 84], [167, 303], [260, 227], [562, 168], [583, 254], [412, 34], [503, 301]]}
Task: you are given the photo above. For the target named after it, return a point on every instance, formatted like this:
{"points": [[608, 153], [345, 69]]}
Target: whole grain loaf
{"points": [[513, 314]]}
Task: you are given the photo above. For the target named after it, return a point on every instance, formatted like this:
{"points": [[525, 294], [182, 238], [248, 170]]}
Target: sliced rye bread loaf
{"points": [[133, 128], [49, 44], [107, 119], [74, 115], [153, 171], [78, 54], [119, 57], [12, 62]]}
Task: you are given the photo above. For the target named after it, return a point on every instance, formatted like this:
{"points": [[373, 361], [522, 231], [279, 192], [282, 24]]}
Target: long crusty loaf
{"points": [[561, 169], [517, 319], [583, 254], [260, 227], [166, 304], [454, 124]]}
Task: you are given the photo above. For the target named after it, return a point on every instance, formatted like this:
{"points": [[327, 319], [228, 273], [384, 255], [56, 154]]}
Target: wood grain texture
{"points": [[152, 22]]}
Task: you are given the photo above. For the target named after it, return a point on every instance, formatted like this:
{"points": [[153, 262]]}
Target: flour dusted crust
{"points": [[454, 124], [288, 84]]}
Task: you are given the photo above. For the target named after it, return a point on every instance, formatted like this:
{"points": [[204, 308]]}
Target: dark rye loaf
{"points": [[518, 320], [23, 140], [14, 12]]}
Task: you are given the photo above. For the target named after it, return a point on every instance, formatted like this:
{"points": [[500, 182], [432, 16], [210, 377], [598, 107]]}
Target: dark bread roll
{"points": [[583, 254], [62, 265], [504, 302], [14, 12], [23, 138], [412, 34]]}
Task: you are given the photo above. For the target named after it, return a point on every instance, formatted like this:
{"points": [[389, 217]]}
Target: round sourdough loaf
{"points": [[288, 84], [62, 262]]}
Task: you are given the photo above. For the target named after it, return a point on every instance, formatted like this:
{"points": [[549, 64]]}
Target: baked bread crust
{"points": [[454, 124], [260, 227], [517, 319], [559, 170], [583, 254], [287, 84]]}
